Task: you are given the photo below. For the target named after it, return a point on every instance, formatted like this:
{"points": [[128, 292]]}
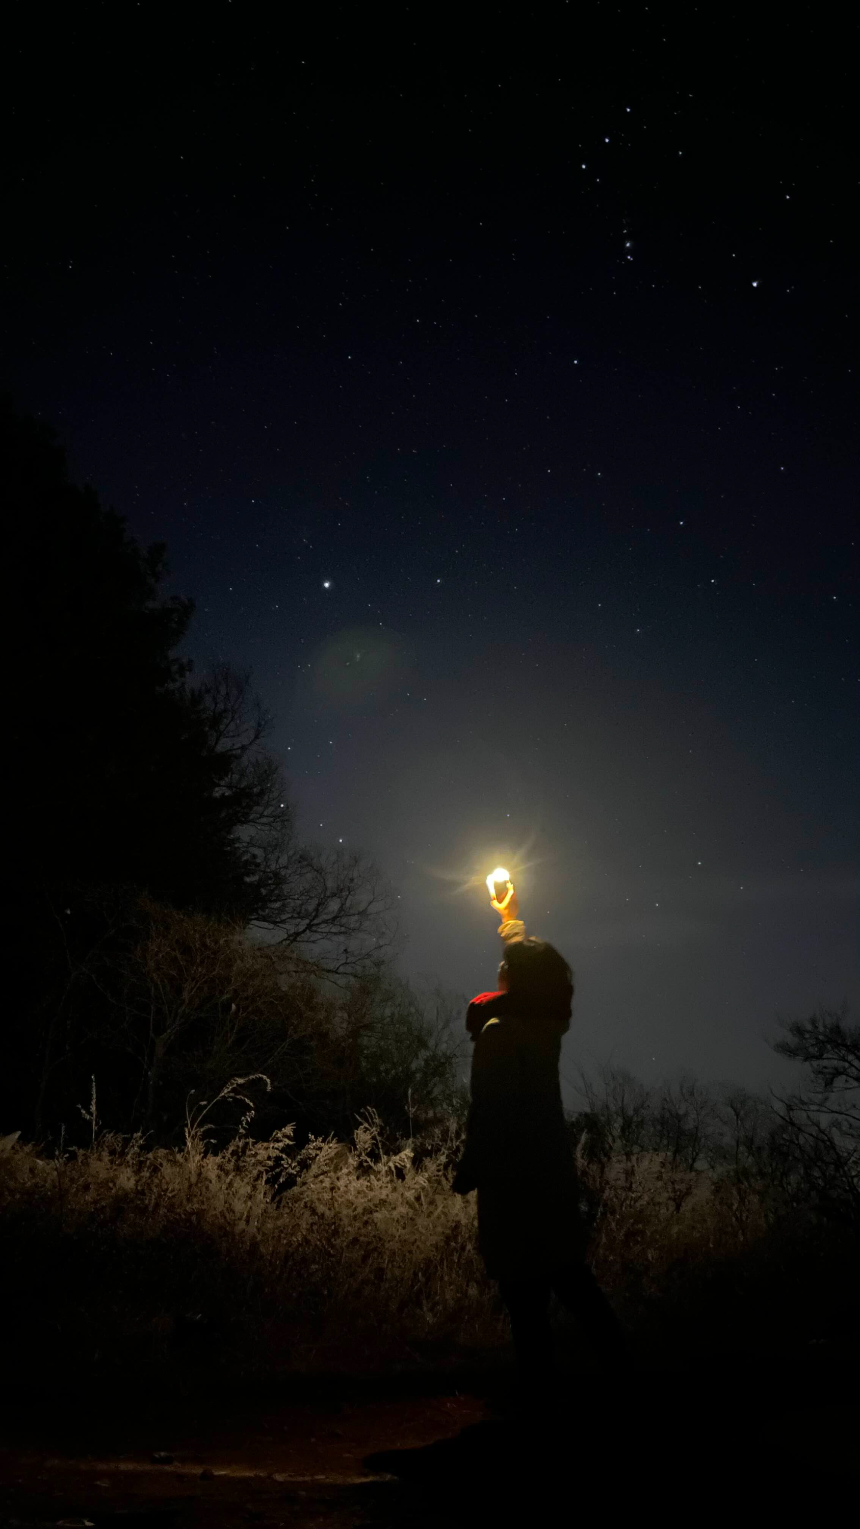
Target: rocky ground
{"points": [[431, 1449]]}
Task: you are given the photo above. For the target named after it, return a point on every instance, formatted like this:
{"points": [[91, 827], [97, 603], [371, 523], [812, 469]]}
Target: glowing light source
{"points": [[499, 875]]}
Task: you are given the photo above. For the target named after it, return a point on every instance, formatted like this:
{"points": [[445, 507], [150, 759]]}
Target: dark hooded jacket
{"points": [[518, 1153]]}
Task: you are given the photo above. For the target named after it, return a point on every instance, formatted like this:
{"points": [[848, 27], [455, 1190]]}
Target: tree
{"points": [[191, 1003], [617, 1117], [331, 912], [682, 1130], [822, 1120], [128, 773], [121, 770], [170, 1005], [747, 1156], [395, 1052]]}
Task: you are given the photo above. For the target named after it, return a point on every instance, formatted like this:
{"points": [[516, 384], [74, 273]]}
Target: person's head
{"points": [[534, 972]]}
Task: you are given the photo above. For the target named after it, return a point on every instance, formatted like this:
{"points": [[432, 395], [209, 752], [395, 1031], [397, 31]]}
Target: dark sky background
{"points": [[495, 393]]}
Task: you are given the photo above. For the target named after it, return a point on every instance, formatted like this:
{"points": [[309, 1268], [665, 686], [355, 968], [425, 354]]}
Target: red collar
{"points": [[485, 1006]]}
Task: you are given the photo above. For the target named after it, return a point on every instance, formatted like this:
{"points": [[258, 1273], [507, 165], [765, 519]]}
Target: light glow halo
{"points": [[499, 874]]}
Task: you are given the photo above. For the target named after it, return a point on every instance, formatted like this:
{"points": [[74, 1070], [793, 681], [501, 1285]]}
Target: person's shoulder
{"points": [[482, 1008]]}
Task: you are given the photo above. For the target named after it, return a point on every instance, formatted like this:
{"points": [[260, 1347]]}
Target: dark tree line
{"points": [[165, 924], [797, 1154]]}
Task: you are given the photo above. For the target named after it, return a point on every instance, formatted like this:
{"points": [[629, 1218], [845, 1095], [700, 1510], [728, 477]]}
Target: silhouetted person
{"points": [[518, 1156]]}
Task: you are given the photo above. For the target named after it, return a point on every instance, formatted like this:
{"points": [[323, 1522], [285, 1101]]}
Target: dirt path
{"points": [[279, 1462], [423, 1452]]}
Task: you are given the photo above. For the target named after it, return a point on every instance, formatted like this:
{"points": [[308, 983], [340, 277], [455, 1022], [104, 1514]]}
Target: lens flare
{"points": [[469, 877]]}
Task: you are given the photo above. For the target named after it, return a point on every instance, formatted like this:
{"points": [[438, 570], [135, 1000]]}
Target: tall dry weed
{"points": [[267, 1251], [267, 1254]]}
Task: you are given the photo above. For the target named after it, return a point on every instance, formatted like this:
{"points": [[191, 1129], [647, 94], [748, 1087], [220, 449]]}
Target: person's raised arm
{"points": [[512, 926]]}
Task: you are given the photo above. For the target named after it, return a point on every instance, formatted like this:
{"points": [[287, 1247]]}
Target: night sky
{"points": [[495, 393]]}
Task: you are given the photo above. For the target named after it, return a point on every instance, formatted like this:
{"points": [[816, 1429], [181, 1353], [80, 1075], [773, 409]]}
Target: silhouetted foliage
{"points": [[396, 1053], [166, 1006], [129, 778], [822, 1120], [122, 770]]}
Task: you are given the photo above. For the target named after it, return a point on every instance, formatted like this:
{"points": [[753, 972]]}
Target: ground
{"points": [[428, 1449]]}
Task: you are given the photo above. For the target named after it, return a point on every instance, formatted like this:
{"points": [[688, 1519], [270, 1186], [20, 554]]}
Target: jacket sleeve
{"points": [[514, 929], [487, 1080], [490, 1082]]}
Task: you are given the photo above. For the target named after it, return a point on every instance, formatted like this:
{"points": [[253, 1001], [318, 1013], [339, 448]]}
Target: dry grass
{"points": [[120, 1254], [264, 1256]]}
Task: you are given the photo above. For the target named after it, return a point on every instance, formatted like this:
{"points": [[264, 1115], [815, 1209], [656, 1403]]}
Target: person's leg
{"points": [[578, 1290], [528, 1307]]}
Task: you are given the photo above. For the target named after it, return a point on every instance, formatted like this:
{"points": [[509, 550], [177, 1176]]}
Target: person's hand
{"points": [[508, 908]]}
